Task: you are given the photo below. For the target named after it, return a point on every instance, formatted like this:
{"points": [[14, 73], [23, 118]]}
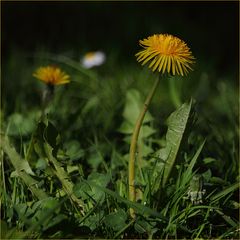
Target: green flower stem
{"points": [[133, 147], [47, 97]]}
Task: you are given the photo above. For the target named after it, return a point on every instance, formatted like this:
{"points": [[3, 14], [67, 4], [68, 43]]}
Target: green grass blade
{"points": [[228, 219], [138, 207], [187, 174], [224, 192]]}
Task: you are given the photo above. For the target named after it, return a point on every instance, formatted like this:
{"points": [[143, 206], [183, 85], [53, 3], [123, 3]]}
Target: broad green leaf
{"points": [[20, 124], [74, 150], [207, 175], [93, 221], [209, 160], [48, 208], [133, 107], [41, 214], [99, 178], [22, 168], [116, 220], [47, 139], [94, 160], [143, 226], [177, 125], [82, 190], [19, 163], [126, 128], [86, 189], [146, 131], [63, 177], [41, 164], [49, 203], [71, 169]]}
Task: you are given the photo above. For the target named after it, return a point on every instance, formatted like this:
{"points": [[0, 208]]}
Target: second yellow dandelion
{"points": [[51, 75]]}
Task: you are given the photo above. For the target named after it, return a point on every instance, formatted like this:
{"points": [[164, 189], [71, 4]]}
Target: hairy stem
{"points": [[133, 146]]}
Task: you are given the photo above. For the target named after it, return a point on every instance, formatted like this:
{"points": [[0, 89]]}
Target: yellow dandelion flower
{"points": [[166, 53], [51, 75]]}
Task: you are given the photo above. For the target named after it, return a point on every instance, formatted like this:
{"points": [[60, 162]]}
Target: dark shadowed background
{"points": [[209, 28]]}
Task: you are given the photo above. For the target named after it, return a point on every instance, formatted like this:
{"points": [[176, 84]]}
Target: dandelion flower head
{"points": [[166, 53], [51, 75], [92, 59]]}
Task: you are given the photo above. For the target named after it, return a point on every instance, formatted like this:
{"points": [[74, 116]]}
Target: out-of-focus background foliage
{"points": [[73, 28], [209, 28]]}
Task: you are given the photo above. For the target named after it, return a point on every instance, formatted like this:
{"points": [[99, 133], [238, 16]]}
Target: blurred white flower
{"points": [[92, 59]]}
